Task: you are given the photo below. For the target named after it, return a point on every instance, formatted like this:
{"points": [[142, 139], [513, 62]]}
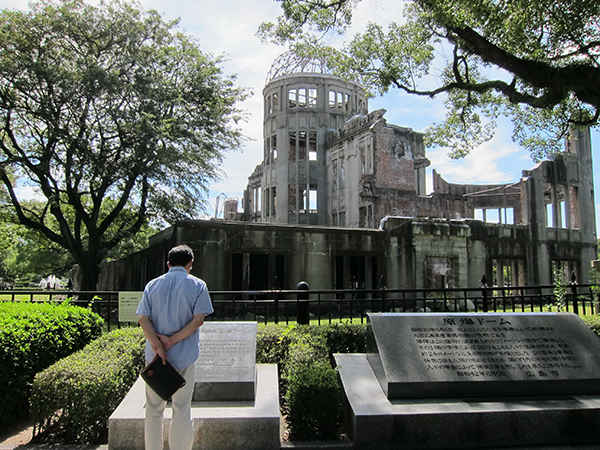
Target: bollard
{"points": [[302, 302], [484, 292]]}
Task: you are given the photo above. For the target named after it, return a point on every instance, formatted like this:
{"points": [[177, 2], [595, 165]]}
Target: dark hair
{"points": [[180, 255]]}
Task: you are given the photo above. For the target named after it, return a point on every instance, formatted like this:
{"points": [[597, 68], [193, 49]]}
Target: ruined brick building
{"points": [[340, 201]]}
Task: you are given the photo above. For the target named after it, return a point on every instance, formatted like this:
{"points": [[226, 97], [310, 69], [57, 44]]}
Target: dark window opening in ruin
{"points": [[508, 272], [342, 219], [334, 219], [258, 272], [563, 270], [293, 140], [267, 150], [312, 145], [273, 152], [267, 204], [332, 99], [302, 146], [377, 281], [351, 272], [496, 215], [365, 216], [358, 272], [302, 97], [347, 102], [273, 201], [441, 272], [312, 98], [269, 108], [292, 98], [237, 272]]}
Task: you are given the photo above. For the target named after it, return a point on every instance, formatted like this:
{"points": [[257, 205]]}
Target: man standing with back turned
{"points": [[171, 312]]}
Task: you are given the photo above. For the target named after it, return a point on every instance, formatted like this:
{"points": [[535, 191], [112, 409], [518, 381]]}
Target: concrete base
{"points": [[223, 425], [373, 421]]}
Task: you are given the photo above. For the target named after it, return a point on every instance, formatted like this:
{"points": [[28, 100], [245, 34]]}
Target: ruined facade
{"points": [[340, 201]]}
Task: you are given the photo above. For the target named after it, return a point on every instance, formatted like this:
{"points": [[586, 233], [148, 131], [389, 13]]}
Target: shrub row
{"points": [[72, 400], [33, 336], [309, 385]]}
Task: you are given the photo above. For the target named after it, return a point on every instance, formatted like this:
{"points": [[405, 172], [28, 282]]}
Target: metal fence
{"points": [[328, 306]]}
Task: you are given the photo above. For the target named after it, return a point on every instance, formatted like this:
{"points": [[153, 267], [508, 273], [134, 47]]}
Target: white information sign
{"points": [[128, 303]]}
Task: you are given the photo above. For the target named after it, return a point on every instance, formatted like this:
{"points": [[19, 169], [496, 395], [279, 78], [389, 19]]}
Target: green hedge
{"points": [[72, 400], [593, 322], [309, 386], [33, 336]]}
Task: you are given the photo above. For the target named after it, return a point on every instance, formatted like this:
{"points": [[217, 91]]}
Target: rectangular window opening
{"points": [[312, 145], [312, 98], [302, 97], [332, 99], [292, 98]]}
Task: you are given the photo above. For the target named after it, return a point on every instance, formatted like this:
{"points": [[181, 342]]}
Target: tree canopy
{"points": [[114, 116], [537, 61]]}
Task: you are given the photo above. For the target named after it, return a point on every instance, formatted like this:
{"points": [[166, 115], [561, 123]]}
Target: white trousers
{"points": [[181, 432]]}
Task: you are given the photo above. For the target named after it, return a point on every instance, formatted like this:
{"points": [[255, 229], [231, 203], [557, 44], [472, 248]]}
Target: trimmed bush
{"points": [[72, 400], [311, 394], [313, 403], [32, 337], [309, 386], [593, 322]]}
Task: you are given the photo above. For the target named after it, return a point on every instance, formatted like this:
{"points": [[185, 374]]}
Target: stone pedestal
{"points": [[235, 404], [408, 393]]}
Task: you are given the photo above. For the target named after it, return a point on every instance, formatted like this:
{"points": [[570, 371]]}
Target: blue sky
{"points": [[229, 27]]}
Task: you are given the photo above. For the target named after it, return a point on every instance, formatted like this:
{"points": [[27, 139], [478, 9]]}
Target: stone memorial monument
{"points": [[483, 356], [473, 380], [235, 405], [225, 369]]}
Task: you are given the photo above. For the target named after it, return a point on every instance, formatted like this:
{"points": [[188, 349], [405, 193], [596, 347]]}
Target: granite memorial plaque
{"points": [[487, 355], [225, 369]]}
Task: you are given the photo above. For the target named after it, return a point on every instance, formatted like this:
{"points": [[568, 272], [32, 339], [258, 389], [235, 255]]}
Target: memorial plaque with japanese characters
{"points": [[453, 355], [226, 367]]}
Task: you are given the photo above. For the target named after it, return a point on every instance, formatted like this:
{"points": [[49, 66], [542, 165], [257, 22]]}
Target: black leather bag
{"points": [[162, 378]]}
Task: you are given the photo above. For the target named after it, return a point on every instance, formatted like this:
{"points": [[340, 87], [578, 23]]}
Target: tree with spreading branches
{"points": [[114, 116], [535, 61]]}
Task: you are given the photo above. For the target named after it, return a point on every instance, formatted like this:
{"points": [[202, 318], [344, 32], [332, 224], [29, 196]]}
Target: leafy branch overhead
{"points": [[537, 61], [114, 116]]}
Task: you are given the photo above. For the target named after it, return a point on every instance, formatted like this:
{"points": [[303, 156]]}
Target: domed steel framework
{"points": [[290, 63]]}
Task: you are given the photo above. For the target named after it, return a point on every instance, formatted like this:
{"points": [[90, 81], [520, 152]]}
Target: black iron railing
{"points": [[328, 306]]}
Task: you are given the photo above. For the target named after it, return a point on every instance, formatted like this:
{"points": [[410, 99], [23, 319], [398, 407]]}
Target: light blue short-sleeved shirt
{"points": [[171, 301]]}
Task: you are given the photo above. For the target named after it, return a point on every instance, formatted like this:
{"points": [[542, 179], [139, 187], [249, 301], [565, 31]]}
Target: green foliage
{"points": [[72, 400], [593, 322], [309, 386], [114, 117], [313, 402], [32, 337], [535, 61]]}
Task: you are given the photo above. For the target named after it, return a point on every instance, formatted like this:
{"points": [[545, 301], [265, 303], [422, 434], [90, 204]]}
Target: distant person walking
{"points": [[172, 310]]}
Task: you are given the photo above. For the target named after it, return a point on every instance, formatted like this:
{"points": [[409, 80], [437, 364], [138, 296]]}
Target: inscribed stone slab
{"points": [[225, 369], [455, 355]]}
